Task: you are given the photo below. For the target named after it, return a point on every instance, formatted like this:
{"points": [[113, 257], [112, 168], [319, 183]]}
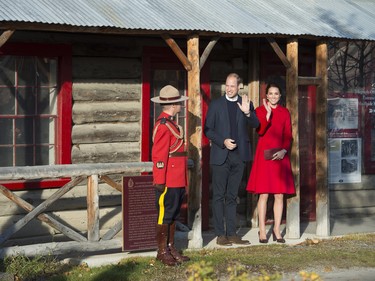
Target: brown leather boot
{"points": [[174, 252], [164, 254]]}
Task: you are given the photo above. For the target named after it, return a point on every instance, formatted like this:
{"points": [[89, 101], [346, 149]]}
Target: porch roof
{"points": [[343, 19]]}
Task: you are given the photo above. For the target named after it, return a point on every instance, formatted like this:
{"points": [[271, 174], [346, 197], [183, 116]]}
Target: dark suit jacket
{"points": [[217, 129]]}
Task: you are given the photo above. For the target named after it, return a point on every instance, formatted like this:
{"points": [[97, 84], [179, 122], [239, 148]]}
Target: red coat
{"points": [[272, 176], [168, 154]]}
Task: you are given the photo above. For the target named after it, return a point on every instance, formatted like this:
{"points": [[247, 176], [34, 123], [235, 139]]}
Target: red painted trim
{"points": [[64, 106], [145, 149]]}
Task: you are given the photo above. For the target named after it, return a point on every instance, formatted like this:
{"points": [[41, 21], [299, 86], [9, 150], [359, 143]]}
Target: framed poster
{"points": [[344, 160]]}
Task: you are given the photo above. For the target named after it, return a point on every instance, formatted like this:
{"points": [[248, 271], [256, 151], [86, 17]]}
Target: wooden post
{"points": [[254, 95], [93, 208], [195, 143], [322, 192], [293, 203]]}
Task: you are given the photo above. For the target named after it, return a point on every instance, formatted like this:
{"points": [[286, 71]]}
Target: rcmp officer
{"points": [[169, 173]]}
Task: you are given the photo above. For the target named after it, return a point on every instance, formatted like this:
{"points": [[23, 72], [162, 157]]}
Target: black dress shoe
{"points": [[264, 241], [278, 240]]}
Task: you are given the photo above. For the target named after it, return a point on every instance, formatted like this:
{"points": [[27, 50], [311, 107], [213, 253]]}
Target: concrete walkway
{"points": [[339, 227]]}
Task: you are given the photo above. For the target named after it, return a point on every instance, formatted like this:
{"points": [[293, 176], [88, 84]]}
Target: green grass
{"points": [[246, 263]]}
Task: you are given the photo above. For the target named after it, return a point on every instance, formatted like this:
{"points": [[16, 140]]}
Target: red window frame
{"points": [[64, 105]]}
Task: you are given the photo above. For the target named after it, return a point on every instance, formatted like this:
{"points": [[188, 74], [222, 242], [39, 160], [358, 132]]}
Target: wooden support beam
{"points": [[39, 209], [307, 81], [254, 95], [195, 143], [207, 51], [93, 208], [113, 231], [178, 52], [112, 183], [4, 37], [284, 59], [72, 170], [322, 192], [293, 203], [67, 231]]}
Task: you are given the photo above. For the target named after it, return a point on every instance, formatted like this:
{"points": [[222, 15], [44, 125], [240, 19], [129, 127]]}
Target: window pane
{"points": [[6, 136], [7, 101], [24, 156], [7, 75], [46, 72], [6, 158], [42, 130], [44, 155], [26, 69], [26, 101], [24, 131], [47, 101]]}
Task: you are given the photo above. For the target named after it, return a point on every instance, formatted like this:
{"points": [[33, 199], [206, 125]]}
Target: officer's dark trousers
{"points": [[226, 179]]}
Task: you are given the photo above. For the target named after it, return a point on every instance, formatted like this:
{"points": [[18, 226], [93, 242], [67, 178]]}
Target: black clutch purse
{"points": [[268, 153]]}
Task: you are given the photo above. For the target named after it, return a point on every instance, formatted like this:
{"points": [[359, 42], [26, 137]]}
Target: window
{"points": [[35, 106]]}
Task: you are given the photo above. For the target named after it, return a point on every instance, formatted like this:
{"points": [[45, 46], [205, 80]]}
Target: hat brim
{"points": [[158, 100]]}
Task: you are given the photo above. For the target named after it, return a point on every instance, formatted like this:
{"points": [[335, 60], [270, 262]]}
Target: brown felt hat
{"points": [[169, 94]]}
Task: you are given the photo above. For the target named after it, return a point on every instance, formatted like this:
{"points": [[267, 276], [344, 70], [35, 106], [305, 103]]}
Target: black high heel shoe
{"points": [[264, 241], [278, 240]]}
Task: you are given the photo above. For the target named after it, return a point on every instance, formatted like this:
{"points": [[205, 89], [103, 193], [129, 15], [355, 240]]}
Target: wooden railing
{"points": [[77, 173]]}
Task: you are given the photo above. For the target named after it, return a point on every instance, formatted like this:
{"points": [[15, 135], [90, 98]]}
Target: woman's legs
{"points": [[277, 214], [262, 210]]}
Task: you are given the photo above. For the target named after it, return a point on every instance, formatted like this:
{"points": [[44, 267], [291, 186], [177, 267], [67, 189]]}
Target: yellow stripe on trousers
{"points": [[161, 206]]}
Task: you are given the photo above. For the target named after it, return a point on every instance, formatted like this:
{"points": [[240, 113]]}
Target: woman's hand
{"points": [[268, 109], [279, 155]]}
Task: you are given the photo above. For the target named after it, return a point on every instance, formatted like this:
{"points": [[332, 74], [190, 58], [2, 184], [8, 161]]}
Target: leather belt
{"points": [[178, 154]]}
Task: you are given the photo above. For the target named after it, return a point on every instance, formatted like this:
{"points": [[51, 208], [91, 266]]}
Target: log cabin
{"points": [[76, 80]]}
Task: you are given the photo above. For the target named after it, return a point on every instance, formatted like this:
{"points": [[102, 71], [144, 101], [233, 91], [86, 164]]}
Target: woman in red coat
{"points": [[271, 172]]}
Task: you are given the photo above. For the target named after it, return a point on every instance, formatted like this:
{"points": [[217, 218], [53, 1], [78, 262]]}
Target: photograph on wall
{"points": [[344, 160], [342, 114]]}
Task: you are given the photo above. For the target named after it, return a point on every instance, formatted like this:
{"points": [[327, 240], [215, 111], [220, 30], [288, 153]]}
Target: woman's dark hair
{"points": [[274, 84]]}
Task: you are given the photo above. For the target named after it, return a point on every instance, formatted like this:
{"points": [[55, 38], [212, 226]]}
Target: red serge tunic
{"points": [[272, 176], [169, 164]]}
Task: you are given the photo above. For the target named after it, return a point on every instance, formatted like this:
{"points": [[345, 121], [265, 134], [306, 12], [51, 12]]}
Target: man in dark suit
{"points": [[226, 124]]}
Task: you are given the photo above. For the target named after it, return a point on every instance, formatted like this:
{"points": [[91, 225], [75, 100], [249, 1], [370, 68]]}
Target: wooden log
{"points": [[39, 209], [195, 144], [43, 217], [177, 51], [74, 200], [107, 90], [293, 203], [61, 248], [113, 231], [112, 183], [105, 152], [93, 208], [105, 133], [207, 51], [322, 192], [4, 37], [309, 80], [284, 59], [254, 95], [72, 170], [120, 111], [106, 67]]}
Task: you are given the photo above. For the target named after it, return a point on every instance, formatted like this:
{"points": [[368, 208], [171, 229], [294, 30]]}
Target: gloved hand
{"points": [[160, 187]]}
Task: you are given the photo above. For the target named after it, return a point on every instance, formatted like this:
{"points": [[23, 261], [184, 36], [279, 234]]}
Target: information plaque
{"points": [[139, 213]]}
